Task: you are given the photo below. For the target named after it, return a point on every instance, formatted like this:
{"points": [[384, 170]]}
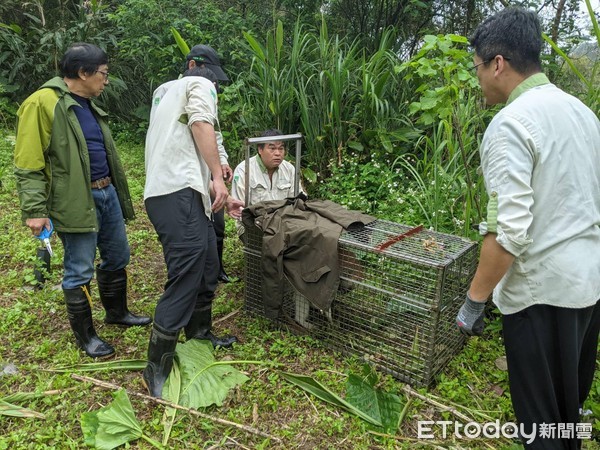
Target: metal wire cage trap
{"points": [[400, 290]]}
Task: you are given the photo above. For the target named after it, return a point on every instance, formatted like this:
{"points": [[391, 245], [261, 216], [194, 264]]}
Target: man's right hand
{"points": [[220, 194], [36, 225]]}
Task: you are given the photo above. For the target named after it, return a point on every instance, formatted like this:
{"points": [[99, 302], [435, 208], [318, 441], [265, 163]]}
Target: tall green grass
{"points": [[327, 88]]}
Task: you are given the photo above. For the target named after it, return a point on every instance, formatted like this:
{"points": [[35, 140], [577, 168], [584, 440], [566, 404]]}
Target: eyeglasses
{"points": [[474, 68], [103, 73]]}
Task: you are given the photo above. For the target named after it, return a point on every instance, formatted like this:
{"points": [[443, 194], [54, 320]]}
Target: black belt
{"points": [[101, 183]]}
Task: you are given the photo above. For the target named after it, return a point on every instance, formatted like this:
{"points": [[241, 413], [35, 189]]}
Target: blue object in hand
{"points": [[44, 236]]}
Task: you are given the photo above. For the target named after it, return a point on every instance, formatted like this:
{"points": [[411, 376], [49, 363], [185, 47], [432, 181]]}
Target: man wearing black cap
{"points": [[206, 56], [180, 198]]}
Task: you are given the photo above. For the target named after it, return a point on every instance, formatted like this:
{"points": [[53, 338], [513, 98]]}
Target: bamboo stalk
{"points": [[231, 314], [160, 401], [439, 405]]}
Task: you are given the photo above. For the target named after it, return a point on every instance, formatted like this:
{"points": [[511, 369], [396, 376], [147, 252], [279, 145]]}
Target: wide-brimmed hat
{"points": [[205, 54]]}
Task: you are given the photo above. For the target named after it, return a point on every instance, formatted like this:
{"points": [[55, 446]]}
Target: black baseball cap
{"points": [[205, 54]]}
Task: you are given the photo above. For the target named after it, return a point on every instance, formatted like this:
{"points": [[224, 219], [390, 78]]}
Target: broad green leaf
{"points": [[429, 102], [309, 175], [8, 409], [258, 49], [112, 425], [183, 47], [384, 406], [464, 75], [123, 364], [414, 107], [317, 389], [362, 395], [386, 143], [426, 70], [457, 38], [430, 38], [204, 381], [171, 391], [16, 28], [356, 145], [89, 427], [369, 375], [419, 4]]}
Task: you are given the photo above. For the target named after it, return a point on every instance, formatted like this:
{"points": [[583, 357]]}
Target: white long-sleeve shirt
{"points": [[172, 162], [279, 187], [540, 157]]}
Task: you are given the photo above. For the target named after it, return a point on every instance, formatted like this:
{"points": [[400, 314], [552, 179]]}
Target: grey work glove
{"points": [[470, 317]]}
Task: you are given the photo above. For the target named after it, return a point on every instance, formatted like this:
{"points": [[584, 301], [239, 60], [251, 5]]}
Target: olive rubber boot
{"points": [[161, 350], [112, 286], [80, 318], [200, 325]]}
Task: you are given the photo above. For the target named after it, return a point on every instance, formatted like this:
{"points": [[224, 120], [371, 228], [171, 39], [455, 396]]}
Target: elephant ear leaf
{"points": [[383, 406], [204, 381], [111, 426]]}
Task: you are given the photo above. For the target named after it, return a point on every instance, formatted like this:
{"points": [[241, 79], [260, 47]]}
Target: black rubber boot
{"points": [[222, 277], [80, 318], [161, 351], [112, 286], [200, 325]]}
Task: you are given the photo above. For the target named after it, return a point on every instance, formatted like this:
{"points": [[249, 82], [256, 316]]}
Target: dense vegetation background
{"points": [[392, 116], [381, 89]]}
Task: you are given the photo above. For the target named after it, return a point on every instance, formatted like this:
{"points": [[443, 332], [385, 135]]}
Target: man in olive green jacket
{"points": [[68, 170]]}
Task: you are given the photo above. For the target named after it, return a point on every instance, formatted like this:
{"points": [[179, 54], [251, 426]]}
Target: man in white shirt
{"points": [[181, 157], [541, 251], [271, 176], [205, 56]]}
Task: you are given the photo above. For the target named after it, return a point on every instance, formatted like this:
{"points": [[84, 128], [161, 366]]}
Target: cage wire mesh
{"points": [[400, 290]]}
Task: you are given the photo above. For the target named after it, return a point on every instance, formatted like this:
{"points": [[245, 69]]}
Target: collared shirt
{"points": [[262, 188], [540, 157], [172, 162], [223, 156]]}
